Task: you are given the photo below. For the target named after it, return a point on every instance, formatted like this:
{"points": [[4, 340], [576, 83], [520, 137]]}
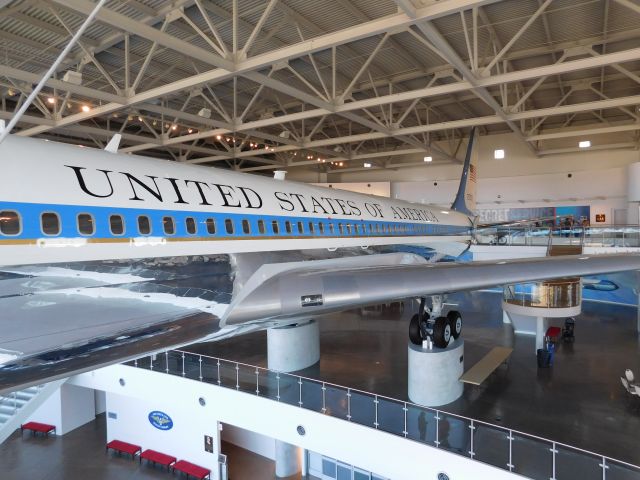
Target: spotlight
{"points": [[85, 108], [51, 100]]}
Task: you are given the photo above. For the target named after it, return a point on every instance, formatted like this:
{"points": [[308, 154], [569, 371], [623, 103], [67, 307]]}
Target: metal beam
{"points": [[436, 38]]}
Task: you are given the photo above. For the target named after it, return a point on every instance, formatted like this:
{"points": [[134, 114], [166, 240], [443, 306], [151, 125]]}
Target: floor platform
{"points": [[65, 458], [579, 401]]}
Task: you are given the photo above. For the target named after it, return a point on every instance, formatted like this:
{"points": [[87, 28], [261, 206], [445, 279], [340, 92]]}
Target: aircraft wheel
{"points": [[455, 320], [415, 335], [441, 332]]}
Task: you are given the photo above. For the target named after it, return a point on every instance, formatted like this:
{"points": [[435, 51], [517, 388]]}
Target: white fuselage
{"points": [[61, 203]]}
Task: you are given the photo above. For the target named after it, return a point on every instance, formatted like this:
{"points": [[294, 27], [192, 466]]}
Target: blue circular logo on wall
{"points": [[160, 420]]}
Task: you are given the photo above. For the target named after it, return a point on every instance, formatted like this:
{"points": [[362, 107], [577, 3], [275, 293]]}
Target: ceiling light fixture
{"points": [[85, 108], [367, 165], [428, 158], [584, 143], [498, 154]]}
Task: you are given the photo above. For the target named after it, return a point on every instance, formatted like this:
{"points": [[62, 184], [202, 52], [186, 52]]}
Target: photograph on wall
{"points": [[208, 443]]}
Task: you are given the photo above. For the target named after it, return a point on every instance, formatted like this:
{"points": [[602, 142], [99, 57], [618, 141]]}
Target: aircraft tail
{"points": [[465, 201]]}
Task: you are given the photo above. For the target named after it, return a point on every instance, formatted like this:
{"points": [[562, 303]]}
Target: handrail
{"points": [[598, 235], [438, 414]]}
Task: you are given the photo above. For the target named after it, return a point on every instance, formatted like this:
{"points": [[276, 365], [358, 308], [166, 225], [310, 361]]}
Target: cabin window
{"points": [[246, 228], [300, 228], [228, 225], [116, 224], [169, 225], [287, 226], [211, 226], [311, 228], [86, 226], [261, 227], [341, 228], [50, 223], [190, 223], [9, 222], [275, 227], [332, 229], [144, 225], [321, 228]]}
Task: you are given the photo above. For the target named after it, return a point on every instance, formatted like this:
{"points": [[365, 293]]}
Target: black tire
{"points": [[441, 332], [414, 330], [455, 320]]}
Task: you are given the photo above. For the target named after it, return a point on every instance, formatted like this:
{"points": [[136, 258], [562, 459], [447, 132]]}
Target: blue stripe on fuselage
{"points": [[31, 229]]}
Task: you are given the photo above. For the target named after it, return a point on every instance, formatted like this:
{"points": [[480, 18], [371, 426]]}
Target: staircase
{"points": [[555, 250], [16, 407], [562, 242]]}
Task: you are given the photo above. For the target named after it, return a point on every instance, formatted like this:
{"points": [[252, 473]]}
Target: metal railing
{"points": [[562, 293], [605, 236], [505, 448]]}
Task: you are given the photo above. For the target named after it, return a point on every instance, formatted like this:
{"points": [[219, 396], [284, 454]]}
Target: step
{"points": [[556, 250]]}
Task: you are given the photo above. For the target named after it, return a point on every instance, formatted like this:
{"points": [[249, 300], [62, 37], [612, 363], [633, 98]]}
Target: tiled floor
{"points": [[80, 455]]}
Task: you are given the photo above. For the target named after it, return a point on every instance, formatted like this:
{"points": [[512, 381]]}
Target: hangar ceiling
{"points": [[258, 85]]}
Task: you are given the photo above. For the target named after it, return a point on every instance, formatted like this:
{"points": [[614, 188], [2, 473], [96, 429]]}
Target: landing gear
{"points": [[455, 320], [441, 332], [440, 329]]}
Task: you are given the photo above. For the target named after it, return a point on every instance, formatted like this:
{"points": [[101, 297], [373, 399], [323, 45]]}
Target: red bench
{"points": [[191, 470], [124, 447], [36, 427], [157, 458]]}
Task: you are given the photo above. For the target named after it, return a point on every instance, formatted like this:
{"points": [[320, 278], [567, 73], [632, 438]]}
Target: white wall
{"points": [[101, 402], [68, 408], [388, 455], [604, 190], [599, 178], [185, 441]]}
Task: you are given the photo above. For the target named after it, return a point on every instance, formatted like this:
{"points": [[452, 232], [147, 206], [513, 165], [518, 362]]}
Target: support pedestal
{"points": [[434, 374], [293, 348], [290, 349], [287, 460]]}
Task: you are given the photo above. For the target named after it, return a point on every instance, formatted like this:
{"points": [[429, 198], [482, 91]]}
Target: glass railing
{"points": [[562, 293], [505, 448], [605, 236]]}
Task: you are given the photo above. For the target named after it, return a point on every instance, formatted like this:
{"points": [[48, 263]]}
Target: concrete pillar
{"points": [[287, 460], [293, 348], [434, 374], [506, 319], [289, 349], [541, 329]]}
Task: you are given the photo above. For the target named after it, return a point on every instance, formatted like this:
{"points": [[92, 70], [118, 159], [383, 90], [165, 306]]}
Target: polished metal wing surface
{"points": [[310, 288], [62, 319]]}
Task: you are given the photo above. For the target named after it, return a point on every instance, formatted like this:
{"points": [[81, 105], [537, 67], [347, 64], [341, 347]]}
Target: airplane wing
{"points": [[325, 286], [59, 320]]}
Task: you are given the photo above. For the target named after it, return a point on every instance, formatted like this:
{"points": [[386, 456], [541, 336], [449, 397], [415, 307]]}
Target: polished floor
{"points": [[80, 455], [579, 401]]}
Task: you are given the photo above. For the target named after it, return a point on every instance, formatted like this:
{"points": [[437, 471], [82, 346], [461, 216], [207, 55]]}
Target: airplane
{"points": [[105, 257]]}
